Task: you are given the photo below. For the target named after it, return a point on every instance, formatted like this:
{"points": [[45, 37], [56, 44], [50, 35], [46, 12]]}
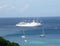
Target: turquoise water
{"points": [[51, 27], [35, 40]]}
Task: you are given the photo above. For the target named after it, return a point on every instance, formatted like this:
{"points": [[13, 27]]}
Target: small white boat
{"points": [[26, 24], [25, 40], [42, 35], [23, 37]]}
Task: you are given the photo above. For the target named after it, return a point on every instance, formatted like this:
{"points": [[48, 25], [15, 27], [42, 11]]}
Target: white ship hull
{"points": [[31, 24], [28, 25]]}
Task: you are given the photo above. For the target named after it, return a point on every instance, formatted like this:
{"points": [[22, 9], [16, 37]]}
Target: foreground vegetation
{"points": [[4, 42]]}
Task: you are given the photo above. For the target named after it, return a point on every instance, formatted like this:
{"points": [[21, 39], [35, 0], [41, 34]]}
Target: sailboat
{"points": [[43, 33], [23, 36]]}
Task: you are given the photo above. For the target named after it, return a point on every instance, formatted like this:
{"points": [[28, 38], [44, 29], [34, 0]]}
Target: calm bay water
{"points": [[51, 27]]}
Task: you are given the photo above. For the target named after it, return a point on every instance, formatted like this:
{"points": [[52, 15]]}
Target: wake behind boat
{"points": [[26, 24]]}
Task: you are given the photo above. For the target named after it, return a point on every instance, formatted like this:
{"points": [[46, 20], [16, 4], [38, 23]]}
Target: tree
{"points": [[4, 42]]}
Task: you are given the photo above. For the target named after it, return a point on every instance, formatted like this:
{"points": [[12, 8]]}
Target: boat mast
{"points": [[23, 36], [43, 32]]}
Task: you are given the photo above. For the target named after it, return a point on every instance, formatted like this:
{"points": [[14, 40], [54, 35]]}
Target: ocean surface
{"points": [[50, 26]]}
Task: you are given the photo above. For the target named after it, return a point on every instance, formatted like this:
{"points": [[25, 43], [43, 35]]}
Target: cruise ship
{"points": [[28, 24]]}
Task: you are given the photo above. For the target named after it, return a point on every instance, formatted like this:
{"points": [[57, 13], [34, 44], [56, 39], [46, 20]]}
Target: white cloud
{"points": [[24, 8], [13, 7], [24, 5], [1, 7], [5, 5], [29, 0]]}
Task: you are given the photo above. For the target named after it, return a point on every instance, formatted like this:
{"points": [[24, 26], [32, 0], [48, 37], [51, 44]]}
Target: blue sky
{"points": [[29, 8]]}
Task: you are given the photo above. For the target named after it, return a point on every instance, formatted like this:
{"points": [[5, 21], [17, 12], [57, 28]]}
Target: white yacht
{"points": [[26, 24]]}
